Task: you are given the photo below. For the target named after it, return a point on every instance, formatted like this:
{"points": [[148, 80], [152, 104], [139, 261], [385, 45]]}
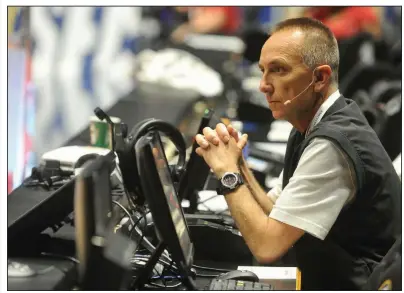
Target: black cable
{"points": [[206, 276], [60, 256], [154, 285], [164, 270], [212, 211], [207, 199], [140, 241], [171, 265], [125, 210], [211, 269], [143, 232], [144, 228], [161, 276], [135, 224], [163, 262]]}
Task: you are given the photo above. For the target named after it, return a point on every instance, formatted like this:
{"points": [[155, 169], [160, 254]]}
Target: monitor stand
{"points": [[145, 274]]}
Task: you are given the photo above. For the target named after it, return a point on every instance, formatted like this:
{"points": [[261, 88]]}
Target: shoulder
{"points": [[322, 154], [324, 146]]}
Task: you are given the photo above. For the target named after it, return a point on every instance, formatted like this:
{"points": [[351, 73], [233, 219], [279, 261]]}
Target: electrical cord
{"points": [[48, 183], [211, 269], [47, 177], [170, 267], [162, 277], [146, 258], [140, 264], [207, 199], [141, 261], [144, 228], [60, 256], [125, 210], [141, 238], [134, 227], [147, 245], [164, 270], [203, 203], [206, 276], [152, 285], [171, 277]]}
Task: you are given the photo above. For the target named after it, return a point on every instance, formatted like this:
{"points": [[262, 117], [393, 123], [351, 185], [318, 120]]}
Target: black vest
{"points": [[368, 226]]}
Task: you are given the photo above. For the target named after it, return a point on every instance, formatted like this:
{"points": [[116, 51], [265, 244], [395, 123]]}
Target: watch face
{"points": [[229, 180]]}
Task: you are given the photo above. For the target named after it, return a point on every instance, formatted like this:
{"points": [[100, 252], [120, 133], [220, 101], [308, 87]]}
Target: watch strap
{"points": [[223, 190]]}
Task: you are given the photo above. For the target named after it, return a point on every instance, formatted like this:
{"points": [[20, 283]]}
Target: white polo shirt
{"points": [[323, 182]]}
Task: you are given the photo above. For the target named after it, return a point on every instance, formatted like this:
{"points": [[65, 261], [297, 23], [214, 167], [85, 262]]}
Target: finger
{"points": [[222, 132], [201, 141], [243, 141], [155, 152], [199, 151], [211, 135], [233, 132]]}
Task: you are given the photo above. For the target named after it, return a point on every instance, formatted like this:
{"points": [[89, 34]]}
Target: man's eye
{"points": [[277, 69]]}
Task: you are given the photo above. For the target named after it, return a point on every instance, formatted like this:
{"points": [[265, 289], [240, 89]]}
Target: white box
{"points": [[281, 278]]}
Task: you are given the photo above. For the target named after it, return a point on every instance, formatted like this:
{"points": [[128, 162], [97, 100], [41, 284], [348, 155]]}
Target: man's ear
{"points": [[323, 77]]}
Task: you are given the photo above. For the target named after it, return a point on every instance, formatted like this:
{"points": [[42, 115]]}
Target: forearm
{"points": [[256, 190], [250, 219]]}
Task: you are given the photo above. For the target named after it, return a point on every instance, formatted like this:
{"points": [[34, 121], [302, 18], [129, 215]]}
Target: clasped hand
{"points": [[221, 148]]}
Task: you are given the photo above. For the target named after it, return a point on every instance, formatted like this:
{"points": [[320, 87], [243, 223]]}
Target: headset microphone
{"points": [[102, 115], [290, 101]]}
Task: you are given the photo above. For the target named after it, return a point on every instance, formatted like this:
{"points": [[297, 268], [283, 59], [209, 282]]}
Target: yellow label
{"points": [[386, 286], [299, 280]]}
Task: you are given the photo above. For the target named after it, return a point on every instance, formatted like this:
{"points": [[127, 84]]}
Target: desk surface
{"points": [[52, 274]]}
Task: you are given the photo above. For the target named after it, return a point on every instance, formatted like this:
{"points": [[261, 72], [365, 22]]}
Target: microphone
{"points": [[102, 115], [290, 101]]}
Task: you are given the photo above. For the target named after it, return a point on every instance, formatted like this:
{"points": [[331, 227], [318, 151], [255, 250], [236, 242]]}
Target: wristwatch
{"points": [[229, 182]]}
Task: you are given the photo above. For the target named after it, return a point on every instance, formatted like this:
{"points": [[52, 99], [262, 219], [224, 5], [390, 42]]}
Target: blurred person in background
{"points": [[345, 22], [207, 20]]}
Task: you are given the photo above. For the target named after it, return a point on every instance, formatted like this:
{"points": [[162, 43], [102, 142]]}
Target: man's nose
{"points": [[265, 87]]}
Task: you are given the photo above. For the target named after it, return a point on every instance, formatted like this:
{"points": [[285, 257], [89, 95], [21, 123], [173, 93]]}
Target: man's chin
{"points": [[278, 115]]}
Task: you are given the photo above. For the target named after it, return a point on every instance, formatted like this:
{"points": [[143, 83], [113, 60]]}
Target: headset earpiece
{"points": [[127, 154]]}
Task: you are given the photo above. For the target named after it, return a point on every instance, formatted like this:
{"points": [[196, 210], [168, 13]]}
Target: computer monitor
{"points": [[92, 209], [163, 202], [196, 170]]}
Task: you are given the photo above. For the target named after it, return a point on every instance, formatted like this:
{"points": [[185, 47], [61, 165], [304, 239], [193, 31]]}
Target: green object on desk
{"points": [[101, 132]]}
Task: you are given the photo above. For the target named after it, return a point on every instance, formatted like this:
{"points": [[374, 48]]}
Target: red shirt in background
{"points": [[233, 17], [348, 21]]}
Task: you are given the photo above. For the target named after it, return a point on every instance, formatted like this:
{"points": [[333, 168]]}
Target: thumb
{"points": [[242, 141], [199, 151]]}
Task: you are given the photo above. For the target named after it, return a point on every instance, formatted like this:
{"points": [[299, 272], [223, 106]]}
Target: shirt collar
{"points": [[321, 111]]}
